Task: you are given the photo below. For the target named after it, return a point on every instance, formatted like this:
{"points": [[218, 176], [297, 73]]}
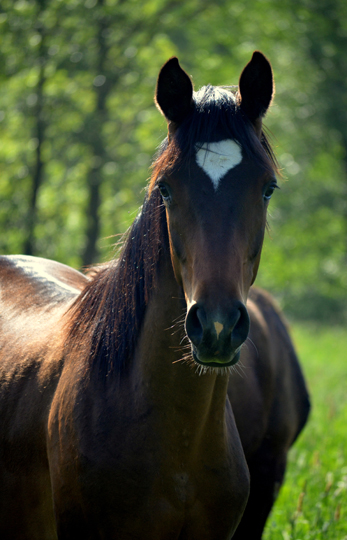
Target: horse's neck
{"points": [[172, 384]]}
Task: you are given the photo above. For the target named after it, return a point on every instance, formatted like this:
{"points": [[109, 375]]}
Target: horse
{"points": [[158, 397]]}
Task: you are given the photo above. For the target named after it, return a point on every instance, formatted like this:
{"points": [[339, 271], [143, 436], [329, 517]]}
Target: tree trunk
{"points": [[102, 88], [37, 176]]}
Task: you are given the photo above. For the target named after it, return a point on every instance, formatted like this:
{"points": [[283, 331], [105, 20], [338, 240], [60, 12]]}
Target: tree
{"points": [[79, 124]]}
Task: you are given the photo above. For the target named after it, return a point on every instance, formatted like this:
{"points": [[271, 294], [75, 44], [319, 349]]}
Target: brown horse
{"points": [[121, 414]]}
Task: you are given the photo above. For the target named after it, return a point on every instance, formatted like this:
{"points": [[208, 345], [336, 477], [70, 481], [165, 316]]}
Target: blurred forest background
{"points": [[79, 128]]}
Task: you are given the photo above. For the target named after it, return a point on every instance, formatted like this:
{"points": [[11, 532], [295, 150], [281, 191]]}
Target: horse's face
{"points": [[216, 204]]}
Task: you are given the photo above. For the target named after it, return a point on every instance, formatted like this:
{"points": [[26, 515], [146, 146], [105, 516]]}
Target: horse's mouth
{"points": [[216, 362]]}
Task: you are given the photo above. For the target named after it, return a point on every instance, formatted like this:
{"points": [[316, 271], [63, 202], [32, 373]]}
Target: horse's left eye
{"points": [[269, 189]]}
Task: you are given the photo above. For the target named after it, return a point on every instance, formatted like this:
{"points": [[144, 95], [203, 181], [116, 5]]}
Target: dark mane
{"points": [[216, 115], [107, 316]]}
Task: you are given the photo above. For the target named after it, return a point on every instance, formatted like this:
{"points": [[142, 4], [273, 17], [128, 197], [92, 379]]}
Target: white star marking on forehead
{"points": [[217, 158]]}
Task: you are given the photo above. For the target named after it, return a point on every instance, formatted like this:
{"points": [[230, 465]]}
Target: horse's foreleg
{"points": [[267, 474]]}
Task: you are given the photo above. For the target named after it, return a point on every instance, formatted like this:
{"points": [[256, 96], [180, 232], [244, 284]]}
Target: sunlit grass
{"points": [[312, 504]]}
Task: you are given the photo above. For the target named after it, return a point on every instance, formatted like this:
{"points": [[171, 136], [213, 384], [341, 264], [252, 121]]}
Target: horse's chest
{"points": [[191, 499], [205, 504], [201, 495], [202, 506], [195, 482]]}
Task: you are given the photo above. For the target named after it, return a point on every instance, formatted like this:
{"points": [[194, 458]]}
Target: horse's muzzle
{"points": [[217, 338]]}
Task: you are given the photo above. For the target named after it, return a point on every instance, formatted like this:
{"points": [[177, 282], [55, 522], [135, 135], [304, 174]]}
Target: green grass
{"points": [[312, 504]]}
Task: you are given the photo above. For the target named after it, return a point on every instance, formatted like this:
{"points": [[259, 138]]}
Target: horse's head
{"points": [[216, 176]]}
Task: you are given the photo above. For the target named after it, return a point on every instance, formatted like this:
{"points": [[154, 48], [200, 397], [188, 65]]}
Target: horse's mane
{"points": [[106, 318]]}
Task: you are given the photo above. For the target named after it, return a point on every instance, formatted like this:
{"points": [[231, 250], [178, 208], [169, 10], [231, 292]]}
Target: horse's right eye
{"points": [[164, 192]]}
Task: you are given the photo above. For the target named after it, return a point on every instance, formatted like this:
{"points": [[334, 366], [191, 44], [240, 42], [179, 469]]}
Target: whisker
{"points": [[254, 345], [183, 338], [180, 318], [239, 369], [178, 330], [179, 347], [176, 323], [186, 358]]}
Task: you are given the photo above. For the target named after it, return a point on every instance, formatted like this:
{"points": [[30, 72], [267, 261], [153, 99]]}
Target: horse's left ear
{"points": [[174, 93], [256, 88]]}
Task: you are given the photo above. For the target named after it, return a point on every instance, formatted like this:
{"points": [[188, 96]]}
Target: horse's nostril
{"points": [[194, 327], [217, 335], [240, 329]]}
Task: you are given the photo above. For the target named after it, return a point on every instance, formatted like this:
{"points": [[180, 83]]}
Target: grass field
{"points": [[313, 501]]}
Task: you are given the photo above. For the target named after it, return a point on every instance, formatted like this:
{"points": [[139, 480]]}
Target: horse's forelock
{"points": [[216, 115]]}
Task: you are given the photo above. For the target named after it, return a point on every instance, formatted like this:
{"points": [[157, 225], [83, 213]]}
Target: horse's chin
{"points": [[215, 362]]}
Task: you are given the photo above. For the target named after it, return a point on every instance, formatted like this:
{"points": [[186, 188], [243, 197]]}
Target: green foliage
{"points": [[306, 246], [313, 501], [76, 97]]}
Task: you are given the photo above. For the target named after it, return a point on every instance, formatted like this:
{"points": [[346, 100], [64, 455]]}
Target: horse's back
{"points": [[37, 281], [34, 295]]}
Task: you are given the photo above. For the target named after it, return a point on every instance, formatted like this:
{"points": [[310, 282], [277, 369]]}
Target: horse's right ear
{"points": [[174, 93]]}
